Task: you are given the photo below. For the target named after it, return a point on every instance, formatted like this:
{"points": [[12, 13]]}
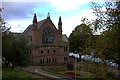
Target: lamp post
{"points": [[75, 64]]}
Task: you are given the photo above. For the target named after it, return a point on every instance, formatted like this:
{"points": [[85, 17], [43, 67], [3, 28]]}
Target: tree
{"points": [[20, 52], [16, 50], [108, 21], [81, 39]]}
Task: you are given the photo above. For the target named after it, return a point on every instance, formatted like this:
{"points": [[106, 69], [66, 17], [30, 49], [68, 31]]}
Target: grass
{"points": [[8, 73], [65, 71], [83, 76]]}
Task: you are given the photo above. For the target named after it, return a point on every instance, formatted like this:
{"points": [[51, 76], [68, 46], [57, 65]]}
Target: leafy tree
{"points": [[108, 21], [81, 39], [15, 49], [20, 52]]}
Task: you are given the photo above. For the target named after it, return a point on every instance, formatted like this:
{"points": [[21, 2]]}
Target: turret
{"points": [[60, 25], [48, 16], [34, 31], [35, 19]]}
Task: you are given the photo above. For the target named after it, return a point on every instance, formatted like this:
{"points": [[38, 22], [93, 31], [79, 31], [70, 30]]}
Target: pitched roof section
{"points": [[28, 31], [64, 38], [40, 23]]}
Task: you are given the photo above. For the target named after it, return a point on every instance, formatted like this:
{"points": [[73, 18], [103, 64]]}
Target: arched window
{"points": [[43, 60], [53, 59], [40, 61], [47, 36], [54, 51], [66, 58], [47, 60]]}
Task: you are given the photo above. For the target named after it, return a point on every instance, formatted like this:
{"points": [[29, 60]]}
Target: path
{"points": [[37, 70]]}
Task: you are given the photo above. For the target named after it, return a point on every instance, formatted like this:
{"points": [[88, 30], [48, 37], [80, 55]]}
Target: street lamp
{"points": [[75, 64]]}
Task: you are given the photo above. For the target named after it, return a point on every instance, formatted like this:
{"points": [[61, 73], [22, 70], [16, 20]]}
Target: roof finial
{"points": [[48, 16], [60, 21], [35, 18]]}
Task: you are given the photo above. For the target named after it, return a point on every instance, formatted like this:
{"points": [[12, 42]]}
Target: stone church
{"points": [[49, 45]]}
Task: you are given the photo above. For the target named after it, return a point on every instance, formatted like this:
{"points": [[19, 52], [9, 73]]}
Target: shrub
{"points": [[72, 73], [110, 75], [92, 71], [70, 66], [56, 69]]}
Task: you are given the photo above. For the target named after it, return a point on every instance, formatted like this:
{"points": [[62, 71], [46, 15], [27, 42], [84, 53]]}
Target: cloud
{"points": [[21, 13], [20, 10], [66, 5], [69, 23]]}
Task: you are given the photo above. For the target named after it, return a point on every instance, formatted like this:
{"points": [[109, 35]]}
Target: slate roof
{"points": [[40, 23], [28, 30], [64, 38]]}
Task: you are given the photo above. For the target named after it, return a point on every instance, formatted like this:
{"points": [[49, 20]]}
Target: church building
{"points": [[49, 45]]}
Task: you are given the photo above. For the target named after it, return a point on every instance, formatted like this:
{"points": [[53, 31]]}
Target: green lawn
{"points": [[63, 73], [16, 73], [82, 76]]}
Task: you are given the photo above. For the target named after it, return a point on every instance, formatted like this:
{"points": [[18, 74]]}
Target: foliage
{"points": [[81, 39], [107, 43], [82, 74], [111, 75], [107, 22], [58, 69], [72, 73], [69, 66], [15, 49], [21, 52]]}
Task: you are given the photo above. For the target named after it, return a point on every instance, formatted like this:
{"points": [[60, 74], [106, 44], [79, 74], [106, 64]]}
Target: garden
{"points": [[70, 71], [80, 74]]}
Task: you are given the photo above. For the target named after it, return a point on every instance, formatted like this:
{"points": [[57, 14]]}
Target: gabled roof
{"points": [[28, 30], [64, 38], [40, 23]]}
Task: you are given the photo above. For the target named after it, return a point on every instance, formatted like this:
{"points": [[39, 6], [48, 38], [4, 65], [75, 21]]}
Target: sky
{"points": [[19, 15]]}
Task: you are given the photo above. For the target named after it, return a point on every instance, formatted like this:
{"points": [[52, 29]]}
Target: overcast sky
{"points": [[19, 15]]}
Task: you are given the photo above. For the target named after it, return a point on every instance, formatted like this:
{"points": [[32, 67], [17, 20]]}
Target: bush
{"points": [[110, 75], [72, 73], [56, 69], [70, 66]]}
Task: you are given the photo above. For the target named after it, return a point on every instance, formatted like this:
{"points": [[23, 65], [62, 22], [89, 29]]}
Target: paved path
{"points": [[37, 70]]}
